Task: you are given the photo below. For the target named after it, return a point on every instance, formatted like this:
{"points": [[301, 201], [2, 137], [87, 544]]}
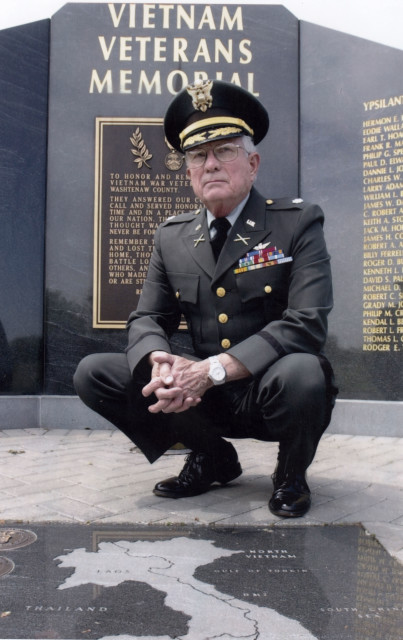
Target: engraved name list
{"points": [[383, 227]]}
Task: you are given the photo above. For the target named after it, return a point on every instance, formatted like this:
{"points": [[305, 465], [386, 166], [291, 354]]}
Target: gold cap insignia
{"points": [[203, 133], [200, 92], [224, 131]]}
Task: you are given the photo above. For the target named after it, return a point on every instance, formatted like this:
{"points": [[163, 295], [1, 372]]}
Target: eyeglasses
{"points": [[223, 152]]}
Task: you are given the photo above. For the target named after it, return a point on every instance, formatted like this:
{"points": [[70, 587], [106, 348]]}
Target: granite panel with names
{"points": [[352, 164], [128, 61], [307, 583]]}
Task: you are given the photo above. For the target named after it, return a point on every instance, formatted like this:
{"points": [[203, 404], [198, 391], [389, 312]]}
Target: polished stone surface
{"points": [[272, 33], [24, 61], [339, 73], [163, 582]]}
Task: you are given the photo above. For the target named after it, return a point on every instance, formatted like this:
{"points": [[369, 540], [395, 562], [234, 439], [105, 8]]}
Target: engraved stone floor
{"points": [[198, 582], [87, 551]]}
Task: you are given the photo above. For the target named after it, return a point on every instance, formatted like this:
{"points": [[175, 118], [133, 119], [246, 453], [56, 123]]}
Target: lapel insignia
{"points": [[199, 239], [251, 223], [239, 238], [198, 227]]}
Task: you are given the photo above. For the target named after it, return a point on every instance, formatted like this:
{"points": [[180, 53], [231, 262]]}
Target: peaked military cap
{"points": [[211, 110]]}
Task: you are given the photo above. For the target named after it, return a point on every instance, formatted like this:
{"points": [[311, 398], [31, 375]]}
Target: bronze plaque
{"points": [[139, 182]]}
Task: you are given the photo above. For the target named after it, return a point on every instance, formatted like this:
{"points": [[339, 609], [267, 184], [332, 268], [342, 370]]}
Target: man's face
{"points": [[221, 186]]}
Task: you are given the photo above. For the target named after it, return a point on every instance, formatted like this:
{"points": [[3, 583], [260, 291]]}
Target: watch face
{"points": [[218, 373]]}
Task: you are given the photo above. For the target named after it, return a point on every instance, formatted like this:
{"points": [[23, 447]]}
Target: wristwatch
{"points": [[217, 373]]}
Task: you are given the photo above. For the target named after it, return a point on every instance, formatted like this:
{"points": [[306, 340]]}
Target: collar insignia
{"points": [[199, 239], [239, 238]]}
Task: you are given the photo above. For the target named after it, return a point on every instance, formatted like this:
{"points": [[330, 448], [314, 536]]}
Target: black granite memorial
{"points": [[306, 583], [126, 62], [336, 135]]}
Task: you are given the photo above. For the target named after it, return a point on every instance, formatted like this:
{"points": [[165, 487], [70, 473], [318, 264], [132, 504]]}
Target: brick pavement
{"points": [[87, 476]]}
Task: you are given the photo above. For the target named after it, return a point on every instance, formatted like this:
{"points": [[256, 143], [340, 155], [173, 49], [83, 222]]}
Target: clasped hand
{"points": [[178, 383]]}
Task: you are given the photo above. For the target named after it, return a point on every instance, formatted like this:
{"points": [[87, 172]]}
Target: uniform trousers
{"points": [[291, 403]]}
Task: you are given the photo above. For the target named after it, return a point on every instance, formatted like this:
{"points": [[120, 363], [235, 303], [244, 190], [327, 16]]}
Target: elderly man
{"points": [[252, 278]]}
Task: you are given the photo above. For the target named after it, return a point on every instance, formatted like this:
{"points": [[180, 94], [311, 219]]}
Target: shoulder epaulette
{"points": [[189, 216], [285, 203]]}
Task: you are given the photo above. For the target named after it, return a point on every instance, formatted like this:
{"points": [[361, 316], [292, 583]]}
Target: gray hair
{"points": [[248, 144]]}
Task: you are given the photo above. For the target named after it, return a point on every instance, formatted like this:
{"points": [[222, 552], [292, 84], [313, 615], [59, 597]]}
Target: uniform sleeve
{"points": [[303, 325], [157, 315]]}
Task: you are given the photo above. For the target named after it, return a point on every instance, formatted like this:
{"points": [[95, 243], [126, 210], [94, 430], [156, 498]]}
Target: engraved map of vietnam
{"points": [[169, 566]]}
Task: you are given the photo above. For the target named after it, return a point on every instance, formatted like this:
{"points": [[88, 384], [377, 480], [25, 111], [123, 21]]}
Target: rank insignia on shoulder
{"points": [[284, 204]]}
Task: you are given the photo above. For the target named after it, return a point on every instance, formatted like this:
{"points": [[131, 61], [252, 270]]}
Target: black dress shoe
{"points": [[291, 497], [199, 473]]}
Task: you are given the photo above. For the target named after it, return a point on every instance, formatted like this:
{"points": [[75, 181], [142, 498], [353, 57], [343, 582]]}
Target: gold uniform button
{"points": [[223, 318], [221, 292], [269, 201], [177, 295], [225, 343], [268, 289]]}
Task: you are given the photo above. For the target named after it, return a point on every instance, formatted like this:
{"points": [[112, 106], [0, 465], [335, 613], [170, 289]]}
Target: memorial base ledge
{"points": [[350, 417]]}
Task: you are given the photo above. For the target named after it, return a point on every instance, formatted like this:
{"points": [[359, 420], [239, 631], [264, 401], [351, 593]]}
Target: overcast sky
{"points": [[377, 20]]}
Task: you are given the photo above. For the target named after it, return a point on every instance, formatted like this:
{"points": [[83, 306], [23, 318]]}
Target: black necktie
{"points": [[221, 225]]}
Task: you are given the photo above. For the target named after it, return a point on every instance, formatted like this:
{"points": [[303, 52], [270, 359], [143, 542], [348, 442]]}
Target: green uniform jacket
{"points": [[258, 315]]}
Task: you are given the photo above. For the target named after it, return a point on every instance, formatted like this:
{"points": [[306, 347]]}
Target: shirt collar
{"points": [[232, 217]]}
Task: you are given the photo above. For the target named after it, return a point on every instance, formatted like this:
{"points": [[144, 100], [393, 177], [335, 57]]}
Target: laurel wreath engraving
{"points": [[140, 150]]}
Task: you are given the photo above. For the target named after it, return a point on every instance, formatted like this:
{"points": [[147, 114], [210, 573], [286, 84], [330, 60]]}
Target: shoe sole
{"points": [[288, 514], [176, 496]]}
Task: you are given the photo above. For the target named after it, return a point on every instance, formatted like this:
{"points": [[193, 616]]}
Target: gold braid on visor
{"points": [[203, 125]]}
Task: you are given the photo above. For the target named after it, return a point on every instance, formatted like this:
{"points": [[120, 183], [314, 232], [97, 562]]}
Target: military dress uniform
{"points": [[273, 319], [265, 302]]}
